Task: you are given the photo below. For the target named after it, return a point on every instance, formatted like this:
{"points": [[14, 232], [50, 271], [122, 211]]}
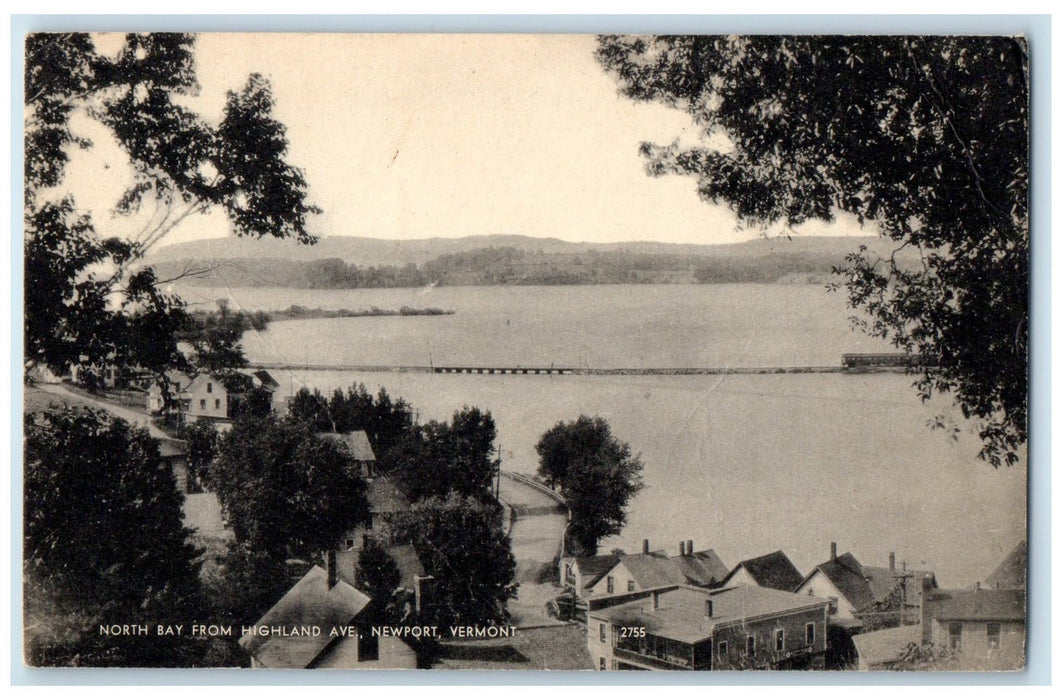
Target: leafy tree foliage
{"points": [[202, 438], [378, 577], [287, 491], [438, 457], [383, 419], [103, 544], [87, 300], [925, 136], [461, 543], [597, 476]]}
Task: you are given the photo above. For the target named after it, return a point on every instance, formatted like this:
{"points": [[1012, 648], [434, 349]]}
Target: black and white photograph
{"points": [[525, 352]]}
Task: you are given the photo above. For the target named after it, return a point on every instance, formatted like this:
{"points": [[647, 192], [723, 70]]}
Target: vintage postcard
{"points": [[525, 352]]}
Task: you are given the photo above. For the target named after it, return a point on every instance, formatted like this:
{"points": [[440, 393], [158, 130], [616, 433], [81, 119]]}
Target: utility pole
{"points": [[902, 577]]}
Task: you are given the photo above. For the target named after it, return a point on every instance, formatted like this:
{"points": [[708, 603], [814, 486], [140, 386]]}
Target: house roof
{"points": [[385, 497], [846, 574], [772, 570], [1012, 571], [680, 614], [309, 602], [701, 568], [356, 442], [592, 567], [887, 645], [863, 586], [650, 570], [972, 604], [265, 379]]}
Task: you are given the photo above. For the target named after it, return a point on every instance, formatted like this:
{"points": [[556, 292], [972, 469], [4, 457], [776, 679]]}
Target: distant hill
{"points": [[349, 262]]}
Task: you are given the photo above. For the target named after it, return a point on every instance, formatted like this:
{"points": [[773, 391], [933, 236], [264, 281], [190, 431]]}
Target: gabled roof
{"points": [[701, 568], [355, 442], [1012, 571], [846, 574], [863, 586], [991, 605], [592, 567], [385, 497], [309, 602], [772, 570]]}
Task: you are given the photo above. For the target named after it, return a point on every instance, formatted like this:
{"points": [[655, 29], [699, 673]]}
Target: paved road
{"points": [[536, 541], [131, 415]]}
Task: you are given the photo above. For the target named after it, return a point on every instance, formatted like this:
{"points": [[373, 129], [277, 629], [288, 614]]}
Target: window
{"points": [[809, 633], [602, 631], [601, 663], [993, 630], [611, 584], [779, 640], [955, 635], [210, 388], [630, 585], [350, 543], [217, 403], [202, 403], [724, 647], [750, 646]]}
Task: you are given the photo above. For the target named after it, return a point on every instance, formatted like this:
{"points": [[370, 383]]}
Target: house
{"points": [[1011, 573], [635, 572], [357, 446], [984, 628], [577, 572], [208, 398], [692, 628], [299, 631], [176, 384], [773, 570], [966, 629], [867, 596], [386, 501]]}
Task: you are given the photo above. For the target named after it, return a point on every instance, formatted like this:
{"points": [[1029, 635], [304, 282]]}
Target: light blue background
{"points": [[1037, 28]]}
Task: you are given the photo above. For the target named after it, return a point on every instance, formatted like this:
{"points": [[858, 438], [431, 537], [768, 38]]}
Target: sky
{"points": [[421, 135]]}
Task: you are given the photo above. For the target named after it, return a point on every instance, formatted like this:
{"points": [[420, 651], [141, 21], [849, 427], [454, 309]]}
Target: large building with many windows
{"points": [[691, 628]]}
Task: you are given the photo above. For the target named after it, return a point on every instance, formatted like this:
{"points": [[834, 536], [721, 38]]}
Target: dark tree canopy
{"points": [[377, 573], [928, 137], [287, 492], [383, 419], [439, 457], [461, 543], [88, 300], [103, 543], [596, 474]]}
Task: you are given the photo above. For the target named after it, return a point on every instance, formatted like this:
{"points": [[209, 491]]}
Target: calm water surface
{"points": [[745, 464]]}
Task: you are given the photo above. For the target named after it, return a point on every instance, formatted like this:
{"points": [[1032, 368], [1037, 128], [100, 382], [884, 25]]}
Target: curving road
{"points": [[537, 530]]}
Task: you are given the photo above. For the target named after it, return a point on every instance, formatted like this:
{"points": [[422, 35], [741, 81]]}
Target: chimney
{"points": [[927, 617], [645, 546], [689, 547], [682, 548], [978, 585], [708, 608], [654, 601], [330, 568], [892, 561], [833, 551]]}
